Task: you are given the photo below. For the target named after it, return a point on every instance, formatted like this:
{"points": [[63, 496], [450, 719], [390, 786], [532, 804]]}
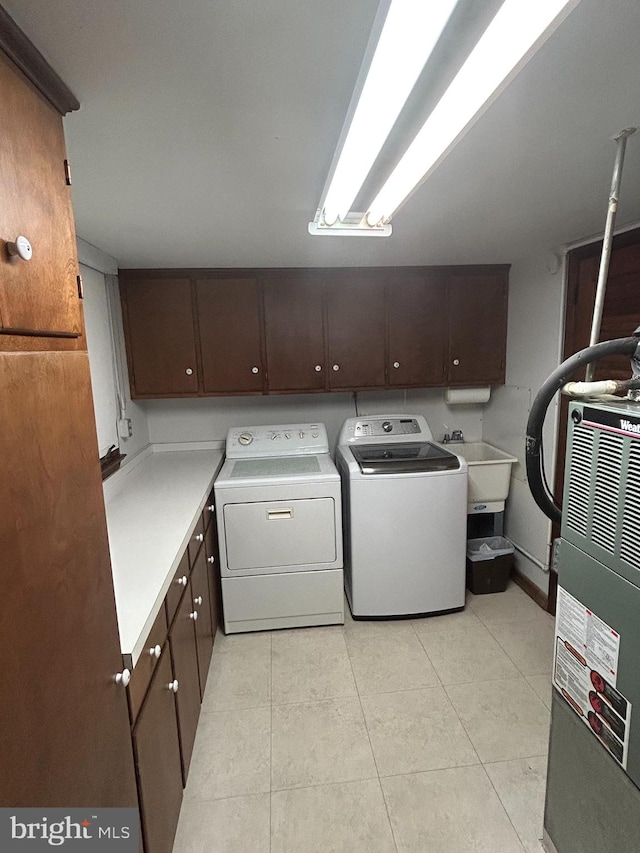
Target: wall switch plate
{"points": [[125, 429]]}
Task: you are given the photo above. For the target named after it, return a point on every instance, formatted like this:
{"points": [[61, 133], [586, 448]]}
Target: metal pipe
{"points": [[531, 558], [621, 141]]}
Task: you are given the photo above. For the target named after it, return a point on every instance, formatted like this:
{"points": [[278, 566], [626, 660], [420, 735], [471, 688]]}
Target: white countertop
{"points": [[152, 511]]}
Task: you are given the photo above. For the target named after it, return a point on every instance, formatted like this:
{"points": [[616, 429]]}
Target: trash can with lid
{"points": [[489, 564]]}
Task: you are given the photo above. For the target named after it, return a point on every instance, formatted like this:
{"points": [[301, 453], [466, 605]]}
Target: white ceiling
{"points": [[207, 129]]}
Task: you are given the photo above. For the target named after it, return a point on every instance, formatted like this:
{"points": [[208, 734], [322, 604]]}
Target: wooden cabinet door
{"points": [[65, 735], [230, 341], [39, 296], [182, 640], [213, 570], [161, 343], [477, 327], [201, 604], [157, 747], [416, 329], [356, 330], [294, 332]]}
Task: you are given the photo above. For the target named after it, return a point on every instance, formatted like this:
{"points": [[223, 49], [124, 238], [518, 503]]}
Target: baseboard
{"points": [[533, 591]]}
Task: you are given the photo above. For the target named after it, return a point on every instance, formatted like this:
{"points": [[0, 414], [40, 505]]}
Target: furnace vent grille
{"points": [[606, 491], [577, 511], [629, 538]]}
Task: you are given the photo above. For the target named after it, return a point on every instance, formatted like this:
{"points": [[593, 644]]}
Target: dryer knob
{"points": [[245, 438], [387, 426]]}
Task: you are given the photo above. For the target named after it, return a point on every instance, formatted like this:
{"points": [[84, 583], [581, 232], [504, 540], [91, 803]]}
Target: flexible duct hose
{"points": [[535, 474]]}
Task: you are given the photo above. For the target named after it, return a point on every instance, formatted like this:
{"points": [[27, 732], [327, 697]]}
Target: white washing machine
{"points": [[404, 518], [278, 509]]}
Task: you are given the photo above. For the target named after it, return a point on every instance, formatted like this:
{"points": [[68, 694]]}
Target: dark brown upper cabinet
{"points": [[416, 329], [356, 329], [294, 332], [160, 335], [477, 327], [230, 323], [38, 297]]}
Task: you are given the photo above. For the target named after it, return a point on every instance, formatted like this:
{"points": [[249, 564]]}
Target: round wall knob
{"points": [[211, 508], [318, 368], [211, 560], [173, 685], [21, 248], [182, 581], [194, 616], [336, 367], [123, 677], [456, 361], [198, 600], [188, 371], [255, 370], [396, 364], [155, 652], [199, 537]]}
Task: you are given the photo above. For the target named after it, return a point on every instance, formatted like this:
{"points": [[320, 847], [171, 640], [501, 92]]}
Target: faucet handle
{"points": [[446, 438], [456, 435]]}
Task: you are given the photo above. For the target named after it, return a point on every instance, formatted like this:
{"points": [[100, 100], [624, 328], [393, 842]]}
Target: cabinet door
{"points": [[161, 344], [213, 569], [184, 657], [41, 295], [477, 327], [65, 736], [356, 330], [294, 333], [155, 738], [230, 342], [416, 328], [201, 604]]}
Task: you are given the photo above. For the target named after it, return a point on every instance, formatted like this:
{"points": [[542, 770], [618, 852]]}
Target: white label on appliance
{"points": [[585, 673]]}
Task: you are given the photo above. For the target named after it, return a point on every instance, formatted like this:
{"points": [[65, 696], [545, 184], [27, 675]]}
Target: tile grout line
{"points": [[504, 808]]}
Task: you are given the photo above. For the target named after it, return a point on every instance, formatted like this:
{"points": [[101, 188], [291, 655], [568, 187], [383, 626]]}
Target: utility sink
{"points": [[489, 475]]}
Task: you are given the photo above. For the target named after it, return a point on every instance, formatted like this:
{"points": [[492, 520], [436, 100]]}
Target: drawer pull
{"points": [[211, 508], [278, 514], [182, 581], [155, 652], [199, 537], [173, 685], [194, 616], [123, 677], [211, 560], [198, 600]]}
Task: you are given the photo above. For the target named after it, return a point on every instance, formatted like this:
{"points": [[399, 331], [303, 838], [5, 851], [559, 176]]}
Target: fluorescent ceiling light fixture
{"points": [[410, 32], [519, 28]]}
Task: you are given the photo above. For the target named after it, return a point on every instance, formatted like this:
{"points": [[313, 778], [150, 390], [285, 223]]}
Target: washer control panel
{"points": [[277, 440], [387, 427]]}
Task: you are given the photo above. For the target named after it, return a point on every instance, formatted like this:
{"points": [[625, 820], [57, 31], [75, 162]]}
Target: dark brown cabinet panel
{"points": [[200, 597], [213, 569], [294, 332], [65, 734], [157, 747], [178, 585], [39, 296], [356, 330], [416, 329], [160, 334], [185, 668], [146, 664], [477, 327], [230, 335]]}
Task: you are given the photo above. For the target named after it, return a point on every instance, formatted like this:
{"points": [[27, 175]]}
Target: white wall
{"points": [[536, 318]]}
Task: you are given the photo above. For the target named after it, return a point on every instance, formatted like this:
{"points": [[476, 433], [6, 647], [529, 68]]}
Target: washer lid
{"points": [[409, 458]]}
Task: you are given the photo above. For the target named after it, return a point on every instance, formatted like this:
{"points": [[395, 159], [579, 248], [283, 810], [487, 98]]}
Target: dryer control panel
{"points": [[387, 427], [276, 440]]}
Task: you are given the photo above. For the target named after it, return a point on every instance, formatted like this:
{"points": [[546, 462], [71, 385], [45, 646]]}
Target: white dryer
{"points": [[404, 518], [278, 505]]}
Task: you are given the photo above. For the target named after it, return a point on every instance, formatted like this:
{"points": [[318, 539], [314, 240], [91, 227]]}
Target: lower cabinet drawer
{"points": [[182, 641], [157, 750], [178, 586], [144, 668]]}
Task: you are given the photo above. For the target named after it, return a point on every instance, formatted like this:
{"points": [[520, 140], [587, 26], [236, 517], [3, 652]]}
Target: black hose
{"points": [[533, 451]]}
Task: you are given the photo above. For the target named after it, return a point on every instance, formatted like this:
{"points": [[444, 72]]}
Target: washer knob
{"points": [[387, 426], [245, 438]]}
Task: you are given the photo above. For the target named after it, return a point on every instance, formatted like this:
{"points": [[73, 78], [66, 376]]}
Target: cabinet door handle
{"points": [[336, 367], [255, 370], [396, 364], [182, 581], [199, 537], [456, 361], [123, 677], [194, 616], [318, 368], [188, 371], [211, 508], [173, 685], [155, 652], [20, 248], [198, 600], [211, 560]]}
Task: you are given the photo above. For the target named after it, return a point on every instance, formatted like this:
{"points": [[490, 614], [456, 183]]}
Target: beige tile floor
{"points": [[422, 736]]}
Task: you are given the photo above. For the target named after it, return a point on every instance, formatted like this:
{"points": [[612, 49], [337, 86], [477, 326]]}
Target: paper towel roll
{"points": [[467, 396]]}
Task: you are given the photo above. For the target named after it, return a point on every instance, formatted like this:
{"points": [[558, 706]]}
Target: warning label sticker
{"points": [[585, 673]]}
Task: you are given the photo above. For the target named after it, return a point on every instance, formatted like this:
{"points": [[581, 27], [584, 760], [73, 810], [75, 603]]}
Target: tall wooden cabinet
{"points": [[64, 738]]}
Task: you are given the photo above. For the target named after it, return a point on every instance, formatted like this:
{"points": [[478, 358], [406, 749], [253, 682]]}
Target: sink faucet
{"points": [[456, 437]]}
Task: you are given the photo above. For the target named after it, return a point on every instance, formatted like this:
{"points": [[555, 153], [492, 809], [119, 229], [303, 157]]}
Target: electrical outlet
{"points": [[125, 429]]}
